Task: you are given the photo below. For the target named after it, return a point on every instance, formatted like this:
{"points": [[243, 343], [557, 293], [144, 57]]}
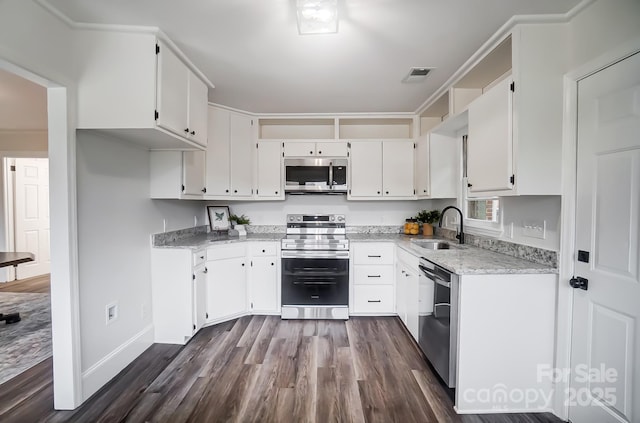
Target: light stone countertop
{"points": [[461, 259]]}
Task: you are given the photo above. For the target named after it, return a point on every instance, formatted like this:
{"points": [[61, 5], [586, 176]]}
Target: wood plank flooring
{"points": [[263, 369], [37, 284]]}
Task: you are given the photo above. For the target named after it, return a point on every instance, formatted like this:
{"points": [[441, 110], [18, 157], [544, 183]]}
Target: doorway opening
{"points": [[25, 288]]}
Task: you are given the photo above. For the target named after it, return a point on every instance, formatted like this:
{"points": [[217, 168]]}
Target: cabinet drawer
{"points": [[264, 249], [199, 257], [373, 274], [226, 251], [373, 299], [373, 253]]}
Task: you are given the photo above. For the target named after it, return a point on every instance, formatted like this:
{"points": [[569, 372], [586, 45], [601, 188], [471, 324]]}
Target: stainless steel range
{"points": [[315, 267]]}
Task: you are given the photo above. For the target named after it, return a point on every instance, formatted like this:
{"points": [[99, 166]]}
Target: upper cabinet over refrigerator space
{"points": [[136, 86]]}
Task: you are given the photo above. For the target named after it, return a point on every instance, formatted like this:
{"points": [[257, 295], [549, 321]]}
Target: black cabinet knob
{"points": [[242, 264], [319, 152], [263, 251], [193, 132], [386, 192], [186, 130], [235, 190], [469, 185], [378, 192], [226, 190], [310, 152], [272, 264], [424, 190], [204, 190]]}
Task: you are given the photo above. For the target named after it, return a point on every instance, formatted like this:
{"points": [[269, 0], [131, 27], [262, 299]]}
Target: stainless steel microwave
{"points": [[315, 175]]}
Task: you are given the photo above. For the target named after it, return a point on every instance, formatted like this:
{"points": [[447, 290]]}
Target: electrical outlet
{"points": [[112, 312], [534, 228]]}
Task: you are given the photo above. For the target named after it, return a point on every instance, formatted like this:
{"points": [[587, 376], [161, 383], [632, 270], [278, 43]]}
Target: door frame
{"points": [[65, 303], [568, 229], [9, 200]]}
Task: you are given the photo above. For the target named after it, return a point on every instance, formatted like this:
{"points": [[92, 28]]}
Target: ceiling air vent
{"points": [[417, 74]]}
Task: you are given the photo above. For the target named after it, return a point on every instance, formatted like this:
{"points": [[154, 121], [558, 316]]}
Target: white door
{"points": [[606, 316], [397, 168], [198, 105], [422, 167], [32, 215], [242, 146], [365, 169], [269, 177], [218, 153], [299, 149], [226, 287], [264, 284], [193, 168], [172, 92], [199, 298]]}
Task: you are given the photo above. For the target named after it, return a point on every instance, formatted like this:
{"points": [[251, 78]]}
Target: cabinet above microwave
{"points": [[315, 175]]}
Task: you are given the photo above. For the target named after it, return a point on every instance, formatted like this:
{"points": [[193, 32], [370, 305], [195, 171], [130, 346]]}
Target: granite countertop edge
{"points": [[462, 260]]}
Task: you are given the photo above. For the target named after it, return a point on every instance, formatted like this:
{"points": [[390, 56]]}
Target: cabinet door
{"points": [[269, 172], [242, 143], [172, 92], [422, 167], [226, 288], [401, 293], [200, 297], [444, 165], [218, 154], [365, 169], [299, 149], [198, 100], [264, 284], [331, 149], [397, 168], [410, 281], [193, 172], [490, 142]]}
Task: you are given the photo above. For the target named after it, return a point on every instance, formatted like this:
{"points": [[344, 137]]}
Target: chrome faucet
{"points": [[459, 235]]}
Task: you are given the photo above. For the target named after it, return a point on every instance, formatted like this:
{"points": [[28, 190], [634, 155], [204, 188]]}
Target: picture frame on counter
{"points": [[218, 218]]}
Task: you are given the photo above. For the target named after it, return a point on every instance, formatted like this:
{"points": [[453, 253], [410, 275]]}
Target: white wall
{"points": [[358, 213], [602, 26], [115, 221]]}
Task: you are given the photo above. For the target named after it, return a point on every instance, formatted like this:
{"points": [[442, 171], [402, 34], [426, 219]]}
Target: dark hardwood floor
{"points": [[37, 284], [263, 369]]}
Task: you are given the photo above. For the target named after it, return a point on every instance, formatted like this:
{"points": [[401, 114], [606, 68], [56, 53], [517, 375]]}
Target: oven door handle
{"points": [[434, 277]]}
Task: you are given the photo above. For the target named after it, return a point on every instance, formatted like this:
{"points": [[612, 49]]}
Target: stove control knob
{"points": [[291, 218], [299, 218], [340, 218], [332, 218]]}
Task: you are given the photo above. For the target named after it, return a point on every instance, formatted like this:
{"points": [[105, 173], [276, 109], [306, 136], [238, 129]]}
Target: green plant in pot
{"points": [[239, 220], [428, 218]]}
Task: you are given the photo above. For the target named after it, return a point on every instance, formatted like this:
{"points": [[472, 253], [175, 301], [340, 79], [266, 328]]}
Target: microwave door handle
{"points": [[330, 175]]}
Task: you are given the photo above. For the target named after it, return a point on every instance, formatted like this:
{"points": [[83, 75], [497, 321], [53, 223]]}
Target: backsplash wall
{"points": [[358, 213]]}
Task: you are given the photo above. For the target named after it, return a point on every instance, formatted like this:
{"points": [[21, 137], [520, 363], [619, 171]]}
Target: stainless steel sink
{"points": [[433, 245]]}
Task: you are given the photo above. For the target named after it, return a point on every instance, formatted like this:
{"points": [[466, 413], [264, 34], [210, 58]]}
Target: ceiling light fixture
{"points": [[317, 16]]}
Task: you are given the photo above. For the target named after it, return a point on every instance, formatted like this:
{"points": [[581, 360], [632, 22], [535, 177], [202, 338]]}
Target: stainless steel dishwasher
{"points": [[438, 330]]}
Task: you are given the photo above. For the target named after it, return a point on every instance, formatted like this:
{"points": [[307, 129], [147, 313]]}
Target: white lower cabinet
{"points": [[176, 292], [226, 282], [264, 277], [373, 279], [407, 299]]}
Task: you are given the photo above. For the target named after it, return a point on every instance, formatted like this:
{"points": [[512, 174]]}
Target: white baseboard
{"points": [[104, 370], [503, 410]]}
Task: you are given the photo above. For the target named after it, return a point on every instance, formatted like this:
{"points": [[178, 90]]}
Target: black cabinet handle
{"points": [[374, 301], [204, 190], [193, 132], [186, 130], [469, 185], [206, 270], [377, 276], [374, 256]]}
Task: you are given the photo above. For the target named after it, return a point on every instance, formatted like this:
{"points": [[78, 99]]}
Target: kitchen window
{"points": [[482, 215]]}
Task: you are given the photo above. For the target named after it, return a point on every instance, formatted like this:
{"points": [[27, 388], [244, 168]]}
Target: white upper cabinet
{"points": [[138, 88], [490, 141], [315, 149], [381, 169], [423, 184], [269, 183], [230, 155], [177, 174], [437, 166], [365, 168]]}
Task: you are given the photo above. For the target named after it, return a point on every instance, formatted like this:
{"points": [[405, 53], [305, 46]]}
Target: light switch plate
{"points": [[534, 228]]}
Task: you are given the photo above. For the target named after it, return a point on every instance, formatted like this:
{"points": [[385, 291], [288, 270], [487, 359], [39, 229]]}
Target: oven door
{"points": [[315, 281]]}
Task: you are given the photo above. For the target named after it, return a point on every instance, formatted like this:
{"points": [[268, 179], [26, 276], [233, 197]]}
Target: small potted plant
{"points": [[428, 218], [239, 222]]}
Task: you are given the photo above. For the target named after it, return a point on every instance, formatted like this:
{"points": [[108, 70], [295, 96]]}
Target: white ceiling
{"points": [[23, 104], [251, 50]]}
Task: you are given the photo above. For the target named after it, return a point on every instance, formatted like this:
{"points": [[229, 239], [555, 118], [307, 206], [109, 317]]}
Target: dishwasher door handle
{"points": [[434, 277]]}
